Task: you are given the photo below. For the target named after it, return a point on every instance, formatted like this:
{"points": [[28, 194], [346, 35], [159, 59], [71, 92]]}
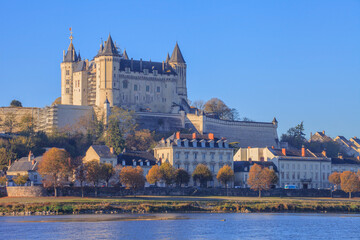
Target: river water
{"points": [[183, 226]]}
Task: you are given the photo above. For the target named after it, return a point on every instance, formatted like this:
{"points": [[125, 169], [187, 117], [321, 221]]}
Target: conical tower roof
{"points": [[70, 55], [167, 58], [176, 56], [109, 48], [125, 55]]}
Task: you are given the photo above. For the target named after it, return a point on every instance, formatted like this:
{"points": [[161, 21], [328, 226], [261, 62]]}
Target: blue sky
{"points": [[296, 60]]}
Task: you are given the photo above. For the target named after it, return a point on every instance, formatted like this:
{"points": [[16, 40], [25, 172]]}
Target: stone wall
{"points": [[18, 113], [160, 122], [29, 191], [253, 134]]}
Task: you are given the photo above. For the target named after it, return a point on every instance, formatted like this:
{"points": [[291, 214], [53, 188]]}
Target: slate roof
{"points": [[239, 166], [191, 143], [80, 66], [103, 151], [176, 56], [109, 48], [131, 156], [69, 54], [23, 164], [344, 161], [295, 153], [135, 66]]}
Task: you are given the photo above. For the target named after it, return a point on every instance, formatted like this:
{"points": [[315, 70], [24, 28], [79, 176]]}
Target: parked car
{"points": [[290, 187]]}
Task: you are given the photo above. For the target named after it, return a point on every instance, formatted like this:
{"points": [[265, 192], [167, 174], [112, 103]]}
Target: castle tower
{"points": [[107, 78], [178, 63], [67, 67]]}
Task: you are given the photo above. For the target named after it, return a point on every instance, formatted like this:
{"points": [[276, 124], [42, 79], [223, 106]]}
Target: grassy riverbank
{"points": [[160, 204]]}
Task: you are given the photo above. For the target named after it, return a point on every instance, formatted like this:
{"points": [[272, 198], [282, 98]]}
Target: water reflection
{"points": [[182, 226]]}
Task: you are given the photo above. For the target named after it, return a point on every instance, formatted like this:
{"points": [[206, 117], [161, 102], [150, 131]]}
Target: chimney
{"points": [[163, 66], [211, 136], [177, 135], [194, 136], [303, 151], [272, 147], [30, 157], [323, 132], [132, 64], [141, 65], [111, 150], [9, 162], [358, 158], [324, 153], [340, 156], [33, 162], [283, 151]]}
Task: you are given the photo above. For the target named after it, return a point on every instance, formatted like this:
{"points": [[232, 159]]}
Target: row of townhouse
{"points": [[301, 168]]}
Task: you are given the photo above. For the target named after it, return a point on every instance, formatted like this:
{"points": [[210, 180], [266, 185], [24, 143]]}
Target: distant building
{"points": [[102, 154], [342, 164], [320, 137], [25, 165], [296, 167], [242, 168], [188, 150], [349, 147]]}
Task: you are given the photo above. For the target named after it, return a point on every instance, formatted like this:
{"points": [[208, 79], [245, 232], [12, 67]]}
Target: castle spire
{"points": [[71, 54], [176, 56], [125, 55], [109, 48], [167, 58]]}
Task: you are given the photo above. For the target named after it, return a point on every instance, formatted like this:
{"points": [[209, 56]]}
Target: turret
{"points": [[178, 63], [108, 61]]}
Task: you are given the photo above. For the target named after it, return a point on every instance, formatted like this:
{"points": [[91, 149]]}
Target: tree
{"points": [[202, 174], [93, 173], [274, 179], [259, 178], [55, 164], [27, 124], [295, 136], [335, 179], [114, 137], [106, 172], [219, 109], [167, 172], [6, 157], [21, 179], [3, 181], [10, 122], [80, 175], [132, 178], [127, 119], [181, 177], [15, 103], [349, 182], [154, 175], [199, 104], [141, 140], [225, 174]]}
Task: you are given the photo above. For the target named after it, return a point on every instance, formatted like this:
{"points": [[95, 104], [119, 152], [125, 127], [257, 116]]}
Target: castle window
{"points": [[158, 89], [135, 87], [67, 90], [155, 72], [125, 84], [146, 71], [127, 70], [147, 88], [67, 81], [67, 72]]}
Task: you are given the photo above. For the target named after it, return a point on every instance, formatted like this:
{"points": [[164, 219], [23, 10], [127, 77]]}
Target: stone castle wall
{"points": [[254, 134], [28, 191], [18, 113]]}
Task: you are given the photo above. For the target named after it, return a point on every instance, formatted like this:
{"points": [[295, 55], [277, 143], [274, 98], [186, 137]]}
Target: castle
{"points": [[156, 91], [131, 84]]}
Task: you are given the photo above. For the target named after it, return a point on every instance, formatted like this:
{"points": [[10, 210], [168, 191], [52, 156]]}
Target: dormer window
{"points": [[141, 163], [127, 70], [155, 72], [147, 163], [123, 162], [146, 71], [134, 163]]}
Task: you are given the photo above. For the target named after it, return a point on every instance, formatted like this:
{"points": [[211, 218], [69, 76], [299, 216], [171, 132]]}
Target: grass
{"points": [[153, 204]]}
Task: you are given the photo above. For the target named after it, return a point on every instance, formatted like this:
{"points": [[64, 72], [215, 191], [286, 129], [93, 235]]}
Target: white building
{"points": [[301, 168], [188, 150]]}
